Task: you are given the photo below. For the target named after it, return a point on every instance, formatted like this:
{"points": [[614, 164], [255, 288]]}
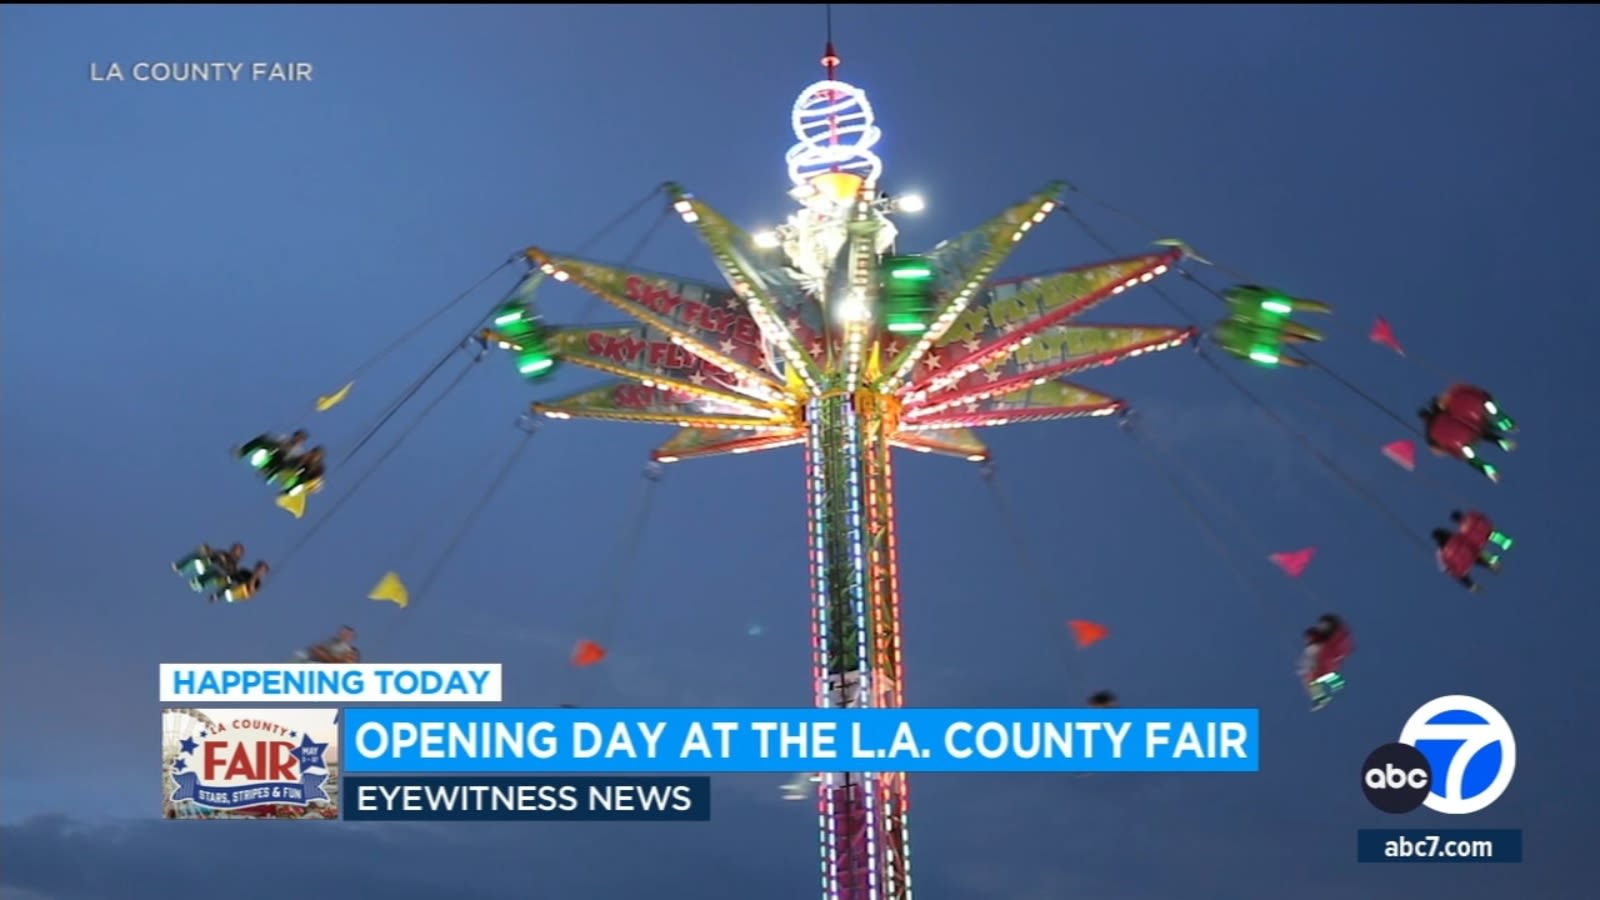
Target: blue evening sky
{"points": [[185, 265]]}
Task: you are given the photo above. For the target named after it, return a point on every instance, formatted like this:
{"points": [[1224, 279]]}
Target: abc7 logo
{"points": [[1399, 777], [1396, 778]]}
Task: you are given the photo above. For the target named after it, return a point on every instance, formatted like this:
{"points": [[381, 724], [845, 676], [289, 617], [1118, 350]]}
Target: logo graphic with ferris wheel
{"points": [[1470, 749]]}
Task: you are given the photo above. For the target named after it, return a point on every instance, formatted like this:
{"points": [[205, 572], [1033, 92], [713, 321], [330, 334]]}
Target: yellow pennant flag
{"points": [[329, 401], [390, 588], [294, 503]]}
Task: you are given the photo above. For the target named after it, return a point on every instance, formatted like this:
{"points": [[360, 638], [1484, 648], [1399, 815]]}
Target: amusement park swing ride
{"points": [[829, 337]]}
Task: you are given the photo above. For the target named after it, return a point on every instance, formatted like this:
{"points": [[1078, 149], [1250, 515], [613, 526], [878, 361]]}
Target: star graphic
{"points": [[188, 745], [294, 734], [816, 348], [992, 375], [202, 735], [309, 753], [697, 378], [971, 345], [932, 363], [179, 765], [795, 324], [727, 347]]}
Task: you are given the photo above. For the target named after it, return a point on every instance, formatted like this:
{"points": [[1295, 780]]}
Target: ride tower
{"points": [[827, 336]]}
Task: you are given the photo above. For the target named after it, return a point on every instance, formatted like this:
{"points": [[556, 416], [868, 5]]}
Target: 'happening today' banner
{"points": [[486, 740]]}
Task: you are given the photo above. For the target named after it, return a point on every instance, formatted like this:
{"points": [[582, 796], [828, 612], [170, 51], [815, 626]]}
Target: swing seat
{"points": [[309, 486], [1322, 689]]}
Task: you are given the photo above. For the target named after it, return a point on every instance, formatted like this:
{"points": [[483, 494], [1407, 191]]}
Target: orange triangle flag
{"points": [[1087, 633], [587, 653]]}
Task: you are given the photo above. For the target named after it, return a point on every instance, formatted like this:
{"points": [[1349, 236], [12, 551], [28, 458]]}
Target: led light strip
{"points": [[1007, 417], [550, 411], [816, 488], [864, 696], [862, 269], [888, 650]]}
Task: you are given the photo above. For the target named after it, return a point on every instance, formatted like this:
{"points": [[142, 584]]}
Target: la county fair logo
{"points": [[1456, 756], [248, 762]]}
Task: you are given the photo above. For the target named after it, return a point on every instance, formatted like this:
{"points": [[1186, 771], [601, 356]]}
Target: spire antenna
{"points": [[830, 65], [830, 59]]}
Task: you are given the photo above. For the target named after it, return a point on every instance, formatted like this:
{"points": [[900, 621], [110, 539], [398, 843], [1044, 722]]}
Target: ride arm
{"points": [[652, 358], [1045, 402], [1053, 353], [698, 443], [1011, 315], [733, 251], [700, 326], [958, 442], [962, 265], [623, 401]]}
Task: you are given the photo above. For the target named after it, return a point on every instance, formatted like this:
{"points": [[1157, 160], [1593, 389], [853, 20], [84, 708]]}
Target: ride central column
{"points": [[855, 635]]}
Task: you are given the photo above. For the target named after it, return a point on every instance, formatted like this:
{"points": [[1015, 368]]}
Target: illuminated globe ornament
{"points": [[835, 131]]}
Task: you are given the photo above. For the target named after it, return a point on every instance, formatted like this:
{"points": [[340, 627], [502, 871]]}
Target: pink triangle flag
{"points": [[1402, 453], [1381, 333], [1293, 562]]}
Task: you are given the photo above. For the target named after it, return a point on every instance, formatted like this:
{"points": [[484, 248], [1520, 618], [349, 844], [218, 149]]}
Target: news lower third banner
{"points": [[460, 741]]}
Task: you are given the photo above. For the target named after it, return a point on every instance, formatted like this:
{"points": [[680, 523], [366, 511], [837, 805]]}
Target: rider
{"points": [[1477, 528], [1450, 436], [1328, 644], [339, 649], [210, 567], [1458, 552], [1474, 406], [1252, 302], [269, 453], [1259, 343], [242, 584], [301, 472], [1258, 324]]}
